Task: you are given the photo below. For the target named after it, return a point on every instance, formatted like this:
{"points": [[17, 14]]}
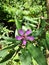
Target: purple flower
{"points": [[24, 36]]}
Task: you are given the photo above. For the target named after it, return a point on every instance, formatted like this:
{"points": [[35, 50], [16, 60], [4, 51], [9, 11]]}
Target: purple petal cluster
{"points": [[24, 36]]}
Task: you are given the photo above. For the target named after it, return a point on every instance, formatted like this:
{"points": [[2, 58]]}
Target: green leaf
{"points": [[25, 57], [18, 24], [30, 19], [10, 63], [43, 23], [3, 63], [32, 25], [37, 54], [9, 39], [3, 53], [38, 32], [11, 46], [47, 39], [26, 12], [7, 57], [11, 20], [43, 43]]}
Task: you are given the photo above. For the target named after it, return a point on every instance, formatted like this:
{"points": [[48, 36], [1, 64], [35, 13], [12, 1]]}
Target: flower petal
{"points": [[31, 38], [21, 32], [28, 32], [18, 37], [24, 42]]}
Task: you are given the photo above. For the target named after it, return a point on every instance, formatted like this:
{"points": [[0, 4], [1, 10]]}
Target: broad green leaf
{"points": [[3, 63], [7, 57], [25, 57], [47, 39], [3, 53], [37, 54], [43, 43]]}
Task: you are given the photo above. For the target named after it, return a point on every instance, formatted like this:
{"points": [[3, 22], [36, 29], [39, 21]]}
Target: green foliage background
{"points": [[25, 14]]}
